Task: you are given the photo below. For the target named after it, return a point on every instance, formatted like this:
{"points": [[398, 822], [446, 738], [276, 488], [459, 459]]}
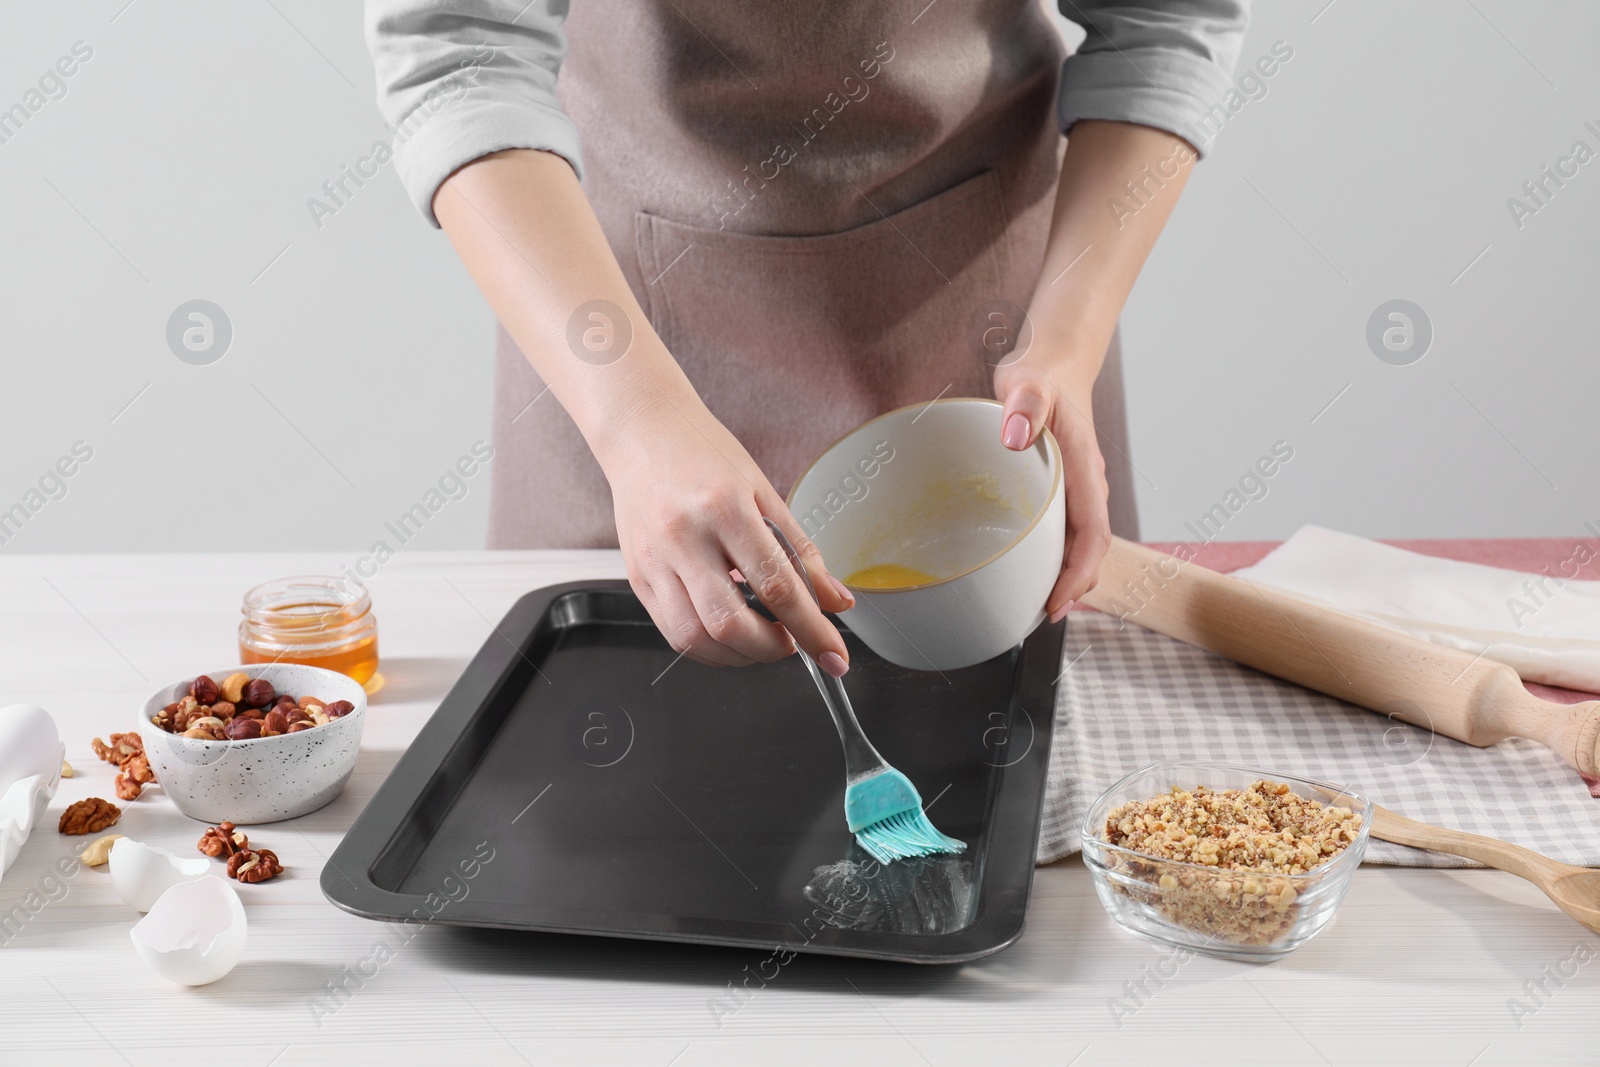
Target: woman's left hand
{"points": [[1039, 392], [1090, 263]]}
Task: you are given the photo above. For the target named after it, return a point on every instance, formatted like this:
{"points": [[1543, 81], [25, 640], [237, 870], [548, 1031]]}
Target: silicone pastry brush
{"points": [[881, 806]]}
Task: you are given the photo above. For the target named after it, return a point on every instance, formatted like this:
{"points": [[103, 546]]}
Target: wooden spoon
{"points": [[1575, 890]]}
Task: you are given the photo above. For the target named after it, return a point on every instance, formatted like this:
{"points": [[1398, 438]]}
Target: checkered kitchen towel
{"points": [[1132, 697]]}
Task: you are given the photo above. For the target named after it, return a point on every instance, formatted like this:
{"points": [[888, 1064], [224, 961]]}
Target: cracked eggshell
{"points": [[30, 771], [194, 934], [142, 873]]}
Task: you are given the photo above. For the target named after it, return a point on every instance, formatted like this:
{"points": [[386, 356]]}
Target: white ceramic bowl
{"points": [[931, 487], [265, 779]]}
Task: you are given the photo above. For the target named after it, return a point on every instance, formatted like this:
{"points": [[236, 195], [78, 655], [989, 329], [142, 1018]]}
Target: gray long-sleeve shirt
{"points": [[458, 79]]}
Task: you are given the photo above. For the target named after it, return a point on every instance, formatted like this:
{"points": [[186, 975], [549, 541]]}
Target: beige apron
{"points": [[813, 208]]}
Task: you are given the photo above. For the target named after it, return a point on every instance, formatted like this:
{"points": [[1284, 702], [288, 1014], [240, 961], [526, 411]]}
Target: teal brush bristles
{"points": [[885, 813], [904, 836]]}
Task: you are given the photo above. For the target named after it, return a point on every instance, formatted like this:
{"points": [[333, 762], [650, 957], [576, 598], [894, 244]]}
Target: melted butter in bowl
{"points": [[943, 527], [888, 576], [950, 540]]}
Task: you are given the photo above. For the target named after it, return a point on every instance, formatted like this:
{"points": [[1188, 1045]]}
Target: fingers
{"points": [[1088, 521], [675, 614], [1027, 411], [724, 616], [830, 591], [1060, 597], [1031, 405], [766, 568]]}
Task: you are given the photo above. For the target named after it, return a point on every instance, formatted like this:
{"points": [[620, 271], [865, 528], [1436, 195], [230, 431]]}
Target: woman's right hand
{"points": [[689, 504], [688, 498]]}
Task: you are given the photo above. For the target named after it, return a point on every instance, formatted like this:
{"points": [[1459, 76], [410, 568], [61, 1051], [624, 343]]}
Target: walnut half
{"points": [[222, 841], [254, 866], [121, 747], [89, 816]]}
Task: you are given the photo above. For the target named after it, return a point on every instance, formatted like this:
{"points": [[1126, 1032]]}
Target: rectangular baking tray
{"points": [[583, 778]]}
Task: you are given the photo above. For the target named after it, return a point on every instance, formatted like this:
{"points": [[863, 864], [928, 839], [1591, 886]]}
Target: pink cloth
{"points": [[1519, 554]]}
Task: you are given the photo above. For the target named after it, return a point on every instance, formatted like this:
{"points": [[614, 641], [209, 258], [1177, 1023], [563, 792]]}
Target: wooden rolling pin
{"points": [[1476, 700]]}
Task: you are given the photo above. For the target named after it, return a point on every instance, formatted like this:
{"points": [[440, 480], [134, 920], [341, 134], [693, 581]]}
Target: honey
{"points": [[317, 621], [888, 576]]}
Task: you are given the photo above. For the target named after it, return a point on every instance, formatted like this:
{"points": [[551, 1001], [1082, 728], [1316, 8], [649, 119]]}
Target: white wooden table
{"points": [[1420, 966]]}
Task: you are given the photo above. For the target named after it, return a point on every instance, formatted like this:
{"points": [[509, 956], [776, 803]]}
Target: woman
{"points": [[790, 219]]}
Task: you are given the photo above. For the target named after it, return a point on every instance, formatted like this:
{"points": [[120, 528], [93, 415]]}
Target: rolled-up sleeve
{"points": [[458, 79], [1157, 64]]}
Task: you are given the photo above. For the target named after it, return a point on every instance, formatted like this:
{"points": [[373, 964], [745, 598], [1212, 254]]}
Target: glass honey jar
{"points": [[315, 620]]}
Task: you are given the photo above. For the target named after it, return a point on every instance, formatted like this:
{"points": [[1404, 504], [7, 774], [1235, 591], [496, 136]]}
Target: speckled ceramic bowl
{"points": [[268, 778]]}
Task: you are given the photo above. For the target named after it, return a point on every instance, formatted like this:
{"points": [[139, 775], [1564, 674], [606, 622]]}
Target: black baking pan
{"points": [[583, 778]]}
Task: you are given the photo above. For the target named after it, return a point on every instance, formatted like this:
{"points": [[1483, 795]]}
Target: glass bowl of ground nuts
{"points": [[1222, 860]]}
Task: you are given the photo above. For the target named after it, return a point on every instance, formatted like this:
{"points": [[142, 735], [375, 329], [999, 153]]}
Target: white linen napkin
{"points": [[1545, 625]]}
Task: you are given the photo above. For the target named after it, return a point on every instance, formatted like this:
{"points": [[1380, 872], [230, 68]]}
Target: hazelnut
{"points": [[250, 713], [275, 723], [233, 686], [340, 708], [241, 729], [298, 727], [204, 690], [259, 693], [222, 709], [294, 715]]}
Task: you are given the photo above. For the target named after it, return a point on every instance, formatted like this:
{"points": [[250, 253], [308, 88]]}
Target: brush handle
{"points": [[861, 760], [1472, 699]]}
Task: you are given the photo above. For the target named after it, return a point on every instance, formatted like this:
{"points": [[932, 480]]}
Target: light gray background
{"points": [[1377, 167]]}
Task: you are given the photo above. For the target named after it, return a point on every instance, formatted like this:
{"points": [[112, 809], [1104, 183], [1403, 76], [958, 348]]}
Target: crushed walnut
{"points": [[1253, 838], [1266, 827]]}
